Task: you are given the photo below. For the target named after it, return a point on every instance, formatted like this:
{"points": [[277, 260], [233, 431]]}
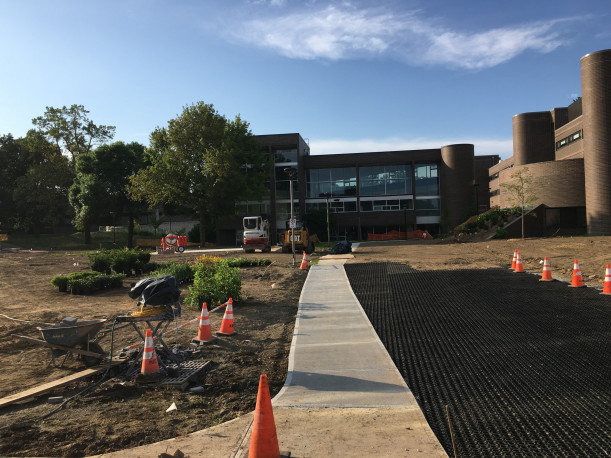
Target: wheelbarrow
{"points": [[72, 337]]}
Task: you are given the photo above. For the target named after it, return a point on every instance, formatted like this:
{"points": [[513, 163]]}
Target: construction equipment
{"points": [[173, 243], [256, 234], [72, 336], [303, 241]]}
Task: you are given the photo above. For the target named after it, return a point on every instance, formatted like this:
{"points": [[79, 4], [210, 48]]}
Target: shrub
{"points": [[501, 233], [183, 272], [100, 262], [87, 282], [214, 283]]}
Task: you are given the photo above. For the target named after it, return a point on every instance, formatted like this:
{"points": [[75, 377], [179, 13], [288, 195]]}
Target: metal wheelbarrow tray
{"points": [[66, 338]]}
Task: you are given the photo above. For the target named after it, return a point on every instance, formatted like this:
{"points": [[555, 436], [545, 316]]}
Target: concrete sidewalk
{"points": [[343, 395]]}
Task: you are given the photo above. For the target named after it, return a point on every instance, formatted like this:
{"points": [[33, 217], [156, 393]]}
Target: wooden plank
{"points": [[42, 389]]}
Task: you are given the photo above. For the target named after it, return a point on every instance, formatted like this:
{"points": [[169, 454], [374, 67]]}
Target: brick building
{"points": [[373, 192], [568, 152]]}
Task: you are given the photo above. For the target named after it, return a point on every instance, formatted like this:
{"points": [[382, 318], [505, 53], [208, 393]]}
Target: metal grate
{"points": [[523, 366]]}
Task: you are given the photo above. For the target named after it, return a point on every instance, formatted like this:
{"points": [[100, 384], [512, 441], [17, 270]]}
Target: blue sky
{"points": [[349, 76]]}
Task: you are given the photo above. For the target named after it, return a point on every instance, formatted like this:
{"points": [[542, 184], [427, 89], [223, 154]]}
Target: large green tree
{"points": [[101, 186], [202, 162], [71, 130], [34, 182]]}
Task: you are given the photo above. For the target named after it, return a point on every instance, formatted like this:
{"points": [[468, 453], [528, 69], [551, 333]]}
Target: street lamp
{"points": [[291, 171], [326, 195]]}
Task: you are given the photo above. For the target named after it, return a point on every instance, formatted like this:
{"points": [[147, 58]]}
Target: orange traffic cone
{"points": [[263, 441], [607, 283], [204, 333], [227, 323], [513, 261], [304, 262], [576, 281], [547, 271], [150, 365], [519, 266]]}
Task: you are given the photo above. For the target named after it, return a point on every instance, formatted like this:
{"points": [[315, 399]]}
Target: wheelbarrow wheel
{"points": [[92, 360]]}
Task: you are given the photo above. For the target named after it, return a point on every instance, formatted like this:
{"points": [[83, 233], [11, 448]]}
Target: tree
{"points": [[34, 183], [71, 130], [100, 186], [202, 162], [522, 190]]}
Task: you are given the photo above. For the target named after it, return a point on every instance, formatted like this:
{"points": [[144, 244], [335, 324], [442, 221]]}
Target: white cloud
{"points": [[502, 147], [344, 32]]}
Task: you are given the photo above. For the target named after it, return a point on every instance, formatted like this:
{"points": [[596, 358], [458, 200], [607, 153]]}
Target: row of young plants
{"points": [[128, 262], [87, 282]]}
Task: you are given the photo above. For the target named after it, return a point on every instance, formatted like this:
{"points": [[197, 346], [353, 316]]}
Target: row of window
{"points": [[570, 139], [382, 180], [424, 207]]}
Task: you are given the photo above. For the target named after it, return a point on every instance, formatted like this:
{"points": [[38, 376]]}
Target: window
{"points": [[285, 155], [428, 207], [283, 188], [394, 204], [384, 180], [570, 139], [337, 182], [427, 181]]}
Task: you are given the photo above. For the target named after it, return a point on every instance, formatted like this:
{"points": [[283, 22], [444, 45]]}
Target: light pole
{"points": [[291, 171], [326, 195]]}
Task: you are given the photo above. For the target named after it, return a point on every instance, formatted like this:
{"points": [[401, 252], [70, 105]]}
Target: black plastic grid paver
{"points": [[524, 366]]}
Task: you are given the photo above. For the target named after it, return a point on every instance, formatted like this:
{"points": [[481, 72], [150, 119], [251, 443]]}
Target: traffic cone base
{"points": [[263, 440], [576, 281], [204, 333], [227, 323], [607, 282], [547, 271]]}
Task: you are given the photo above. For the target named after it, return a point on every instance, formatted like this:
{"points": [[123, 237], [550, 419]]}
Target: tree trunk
{"points": [[130, 232], [202, 227], [522, 221], [87, 234]]}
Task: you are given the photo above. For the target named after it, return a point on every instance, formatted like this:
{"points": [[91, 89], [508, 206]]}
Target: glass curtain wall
{"points": [[385, 180], [337, 182], [428, 203]]}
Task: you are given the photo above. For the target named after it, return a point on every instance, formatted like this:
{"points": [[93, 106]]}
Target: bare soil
{"points": [[117, 414]]}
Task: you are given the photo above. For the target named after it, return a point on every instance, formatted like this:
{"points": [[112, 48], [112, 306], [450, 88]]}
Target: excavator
{"points": [[256, 234]]}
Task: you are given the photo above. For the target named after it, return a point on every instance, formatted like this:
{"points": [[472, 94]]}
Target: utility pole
{"points": [[291, 171]]}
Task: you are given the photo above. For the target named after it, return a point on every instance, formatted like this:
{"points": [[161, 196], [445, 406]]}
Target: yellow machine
{"points": [[303, 241]]}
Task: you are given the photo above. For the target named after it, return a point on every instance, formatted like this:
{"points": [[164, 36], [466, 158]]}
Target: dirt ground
{"points": [[117, 415]]}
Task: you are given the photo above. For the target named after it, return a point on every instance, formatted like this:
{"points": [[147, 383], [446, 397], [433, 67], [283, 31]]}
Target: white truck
{"points": [[256, 234]]}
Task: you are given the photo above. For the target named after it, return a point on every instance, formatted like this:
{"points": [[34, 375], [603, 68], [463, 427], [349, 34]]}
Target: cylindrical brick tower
{"points": [[456, 181], [533, 138], [596, 98]]}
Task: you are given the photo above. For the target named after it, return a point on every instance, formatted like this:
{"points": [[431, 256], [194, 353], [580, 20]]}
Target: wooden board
{"points": [[42, 389]]}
